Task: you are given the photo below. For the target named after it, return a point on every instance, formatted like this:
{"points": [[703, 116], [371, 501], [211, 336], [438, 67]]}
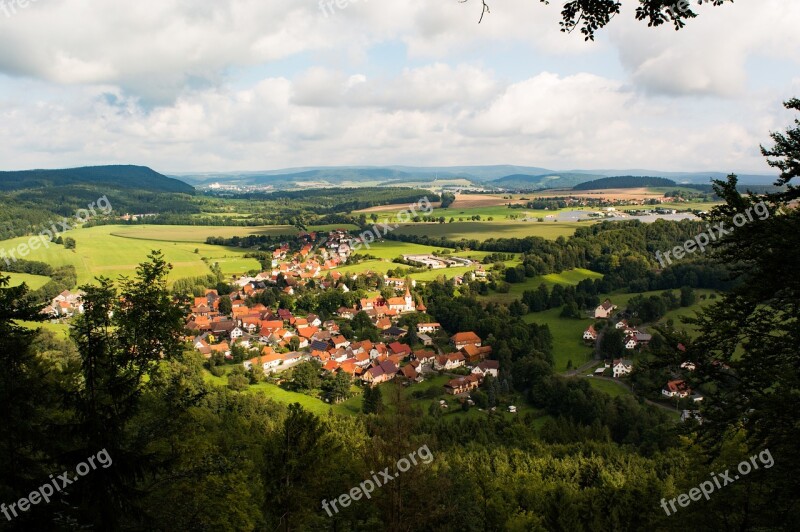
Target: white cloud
{"points": [[710, 55], [182, 86]]}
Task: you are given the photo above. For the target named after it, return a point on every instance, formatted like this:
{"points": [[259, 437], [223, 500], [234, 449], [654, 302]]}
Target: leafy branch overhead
{"points": [[592, 15]]}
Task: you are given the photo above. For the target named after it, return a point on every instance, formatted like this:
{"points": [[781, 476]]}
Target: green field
{"points": [[61, 329], [100, 252], [612, 389], [377, 266], [496, 229], [237, 264], [33, 281], [567, 337], [312, 404], [391, 249], [569, 277], [198, 233]]}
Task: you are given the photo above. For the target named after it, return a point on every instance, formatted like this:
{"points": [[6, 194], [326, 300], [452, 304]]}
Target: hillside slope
{"points": [[118, 176]]}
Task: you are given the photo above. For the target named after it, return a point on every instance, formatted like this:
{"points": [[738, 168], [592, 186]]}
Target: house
{"points": [[621, 366], [688, 366], [463, 384], [605, 309], [428, 327], [394, 332], [463, 339], [425, 358], [346, 313], [397, 348], [487, 367], [383, 324], [622, 324], [590, 334], [642, 339], [630, 342], [425, 339], [474, 355], [382, 372], [339, 342], [676, 388], [451, 361], [411, 373]]}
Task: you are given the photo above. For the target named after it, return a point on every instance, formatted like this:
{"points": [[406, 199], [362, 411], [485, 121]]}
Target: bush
{"points": [[238, 382]]}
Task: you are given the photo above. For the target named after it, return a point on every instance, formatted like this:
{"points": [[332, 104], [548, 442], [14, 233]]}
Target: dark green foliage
{"points": [[225, 305], [625, 181], [373, 400], [611, 343], [132, 177], [336, 387]]}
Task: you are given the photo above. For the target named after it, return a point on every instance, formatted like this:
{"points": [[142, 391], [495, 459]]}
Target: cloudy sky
{"points": [[223, 85]]}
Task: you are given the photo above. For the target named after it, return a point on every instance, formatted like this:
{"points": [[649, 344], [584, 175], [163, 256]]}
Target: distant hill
{"points": [[537, 182], [119, 177], [625, 181], [335, 175], [516, 177]]}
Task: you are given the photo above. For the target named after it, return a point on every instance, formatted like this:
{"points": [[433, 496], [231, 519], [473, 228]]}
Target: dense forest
{"points": [[625, 181], [121, 176]]}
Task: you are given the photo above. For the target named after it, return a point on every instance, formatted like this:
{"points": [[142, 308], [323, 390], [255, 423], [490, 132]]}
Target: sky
{"points": [[235, 85]]}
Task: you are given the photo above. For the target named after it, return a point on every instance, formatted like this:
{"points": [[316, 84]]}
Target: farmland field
{"points": [[198, 233], [100, 252], [391, 249], [487, 230], [33, 281]]}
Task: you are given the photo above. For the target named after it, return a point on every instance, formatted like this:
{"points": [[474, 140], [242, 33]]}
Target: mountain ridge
{"points": [[121, 176]]}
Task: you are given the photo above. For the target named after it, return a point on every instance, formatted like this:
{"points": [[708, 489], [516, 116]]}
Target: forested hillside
{"points": [[119, 176], [625, 181]]}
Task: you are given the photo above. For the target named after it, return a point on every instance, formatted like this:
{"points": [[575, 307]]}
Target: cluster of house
{"points": [[374, 363], [284, 339], [633, 337], [65, 305], [297, 268]]}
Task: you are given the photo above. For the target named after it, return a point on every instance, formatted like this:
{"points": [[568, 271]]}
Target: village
{"points": [[235, 328]]}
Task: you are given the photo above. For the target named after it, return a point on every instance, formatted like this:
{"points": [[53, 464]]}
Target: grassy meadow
{"points": [[569, 277], [100, 251], [495, 229], [611, 388], [33, 281]]}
